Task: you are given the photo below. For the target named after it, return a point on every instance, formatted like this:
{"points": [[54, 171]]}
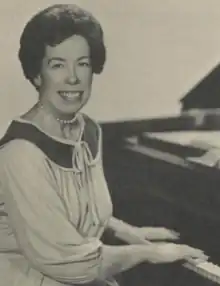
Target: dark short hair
{"points": [[52, 26]]}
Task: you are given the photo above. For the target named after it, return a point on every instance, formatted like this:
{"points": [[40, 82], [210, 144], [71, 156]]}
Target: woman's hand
{"points": [[156, 233], [170, 252], [133, 234]]}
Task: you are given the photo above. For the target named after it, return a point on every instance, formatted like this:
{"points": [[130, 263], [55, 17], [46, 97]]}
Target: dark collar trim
{"points": [[58, 152]]}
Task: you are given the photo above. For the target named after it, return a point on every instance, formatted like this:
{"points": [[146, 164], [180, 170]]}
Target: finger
{"points": [[197, 261], [173, 235], [195, 253], [170, 234], [201, 256]]}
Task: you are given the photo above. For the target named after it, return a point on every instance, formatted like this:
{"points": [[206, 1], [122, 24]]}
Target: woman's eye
{"points": [[84, 64], [57, 66]]}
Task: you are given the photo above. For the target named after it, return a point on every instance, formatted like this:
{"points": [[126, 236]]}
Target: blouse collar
{"points": [[58, 150]]}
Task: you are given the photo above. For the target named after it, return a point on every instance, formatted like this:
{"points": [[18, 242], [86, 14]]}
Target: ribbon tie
{"points": [[81, 161]]}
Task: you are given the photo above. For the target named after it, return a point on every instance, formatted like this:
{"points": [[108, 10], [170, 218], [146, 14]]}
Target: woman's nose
{"points": [[72, 77]]}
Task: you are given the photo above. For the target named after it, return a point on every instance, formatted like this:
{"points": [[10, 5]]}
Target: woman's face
{"points": [[65, 78]]}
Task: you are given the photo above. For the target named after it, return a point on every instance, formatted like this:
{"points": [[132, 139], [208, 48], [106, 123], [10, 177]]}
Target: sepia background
{"points": [[157, 50]]}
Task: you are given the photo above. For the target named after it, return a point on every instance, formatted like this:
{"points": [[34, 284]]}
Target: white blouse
{"points": [[51, 216]]}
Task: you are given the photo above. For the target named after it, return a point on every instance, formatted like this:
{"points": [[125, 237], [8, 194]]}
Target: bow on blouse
{"points": [[82, 161]]}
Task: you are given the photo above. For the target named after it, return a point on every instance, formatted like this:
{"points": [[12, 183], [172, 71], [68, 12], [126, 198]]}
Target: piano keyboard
{"points": [[204, 268]]}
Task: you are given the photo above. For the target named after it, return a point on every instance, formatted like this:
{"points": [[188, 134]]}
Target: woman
{"points": [[55, 203]]}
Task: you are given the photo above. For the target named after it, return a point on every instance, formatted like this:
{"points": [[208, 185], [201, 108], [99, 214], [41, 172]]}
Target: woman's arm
{"points": [[39, 219], [126, 232], [120, 258], [48, 240], [117, 259]]}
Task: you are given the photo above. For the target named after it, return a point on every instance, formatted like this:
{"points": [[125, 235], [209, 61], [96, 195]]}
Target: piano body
{"points": [[164, 172]]}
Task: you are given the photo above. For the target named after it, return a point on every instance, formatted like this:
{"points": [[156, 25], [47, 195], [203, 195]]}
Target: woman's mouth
{"points": [[70, 95]]}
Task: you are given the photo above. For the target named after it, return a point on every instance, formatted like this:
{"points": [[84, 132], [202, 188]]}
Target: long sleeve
{"points": [[48, 240]]}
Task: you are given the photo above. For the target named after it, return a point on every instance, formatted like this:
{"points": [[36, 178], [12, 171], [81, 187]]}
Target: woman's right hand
{"points": [[171, 252]]}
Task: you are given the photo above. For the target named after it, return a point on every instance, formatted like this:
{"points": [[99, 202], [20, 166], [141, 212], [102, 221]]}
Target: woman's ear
{"points": [[37, 81]]}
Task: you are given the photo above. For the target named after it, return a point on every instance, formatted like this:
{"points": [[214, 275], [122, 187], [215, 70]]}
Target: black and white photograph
{"points": [[110, 143]]}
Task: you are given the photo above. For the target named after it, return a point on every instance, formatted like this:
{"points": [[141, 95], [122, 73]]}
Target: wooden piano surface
{"points": [[153, 183]]}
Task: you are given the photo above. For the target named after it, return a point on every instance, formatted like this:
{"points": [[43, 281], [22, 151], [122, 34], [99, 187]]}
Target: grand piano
{"points": [[165, 172]]}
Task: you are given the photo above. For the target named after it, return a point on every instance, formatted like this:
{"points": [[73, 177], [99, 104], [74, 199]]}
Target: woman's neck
{"points": [[53, 126], [60, 117]]}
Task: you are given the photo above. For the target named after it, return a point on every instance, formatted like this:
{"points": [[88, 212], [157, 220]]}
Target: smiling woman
{"points": [[62, 58], [54, 200], [65, 78]]}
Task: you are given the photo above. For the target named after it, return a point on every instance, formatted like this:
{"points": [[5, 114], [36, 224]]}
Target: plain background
{"points": [[157, 51]]}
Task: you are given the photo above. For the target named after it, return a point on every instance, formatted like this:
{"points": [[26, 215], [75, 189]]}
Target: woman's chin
{"points": [[69, 112]]}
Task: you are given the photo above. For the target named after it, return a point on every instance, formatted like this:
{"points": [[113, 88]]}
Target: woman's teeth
{"points": [[69, 94]]}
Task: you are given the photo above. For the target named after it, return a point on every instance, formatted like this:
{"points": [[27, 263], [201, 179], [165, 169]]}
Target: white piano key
{"points": [[210, 267], [205, 269]]}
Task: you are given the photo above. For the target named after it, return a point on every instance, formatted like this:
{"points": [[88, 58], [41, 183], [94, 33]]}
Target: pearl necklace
{"points": [[67, 121], [62, 121]]}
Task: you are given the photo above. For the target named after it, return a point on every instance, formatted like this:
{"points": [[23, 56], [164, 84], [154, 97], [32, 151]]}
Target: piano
{"points": [[166, 172]]}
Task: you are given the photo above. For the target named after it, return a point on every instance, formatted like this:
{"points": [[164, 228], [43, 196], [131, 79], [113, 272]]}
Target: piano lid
{"points": [[185, 122], [205, 94]]}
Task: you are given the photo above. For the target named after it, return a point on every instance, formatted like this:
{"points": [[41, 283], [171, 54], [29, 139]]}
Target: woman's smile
{"points": [[71, 95]]}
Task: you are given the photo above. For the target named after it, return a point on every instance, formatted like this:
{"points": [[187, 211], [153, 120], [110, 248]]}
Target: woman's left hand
{"points": [[156, 233]]}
